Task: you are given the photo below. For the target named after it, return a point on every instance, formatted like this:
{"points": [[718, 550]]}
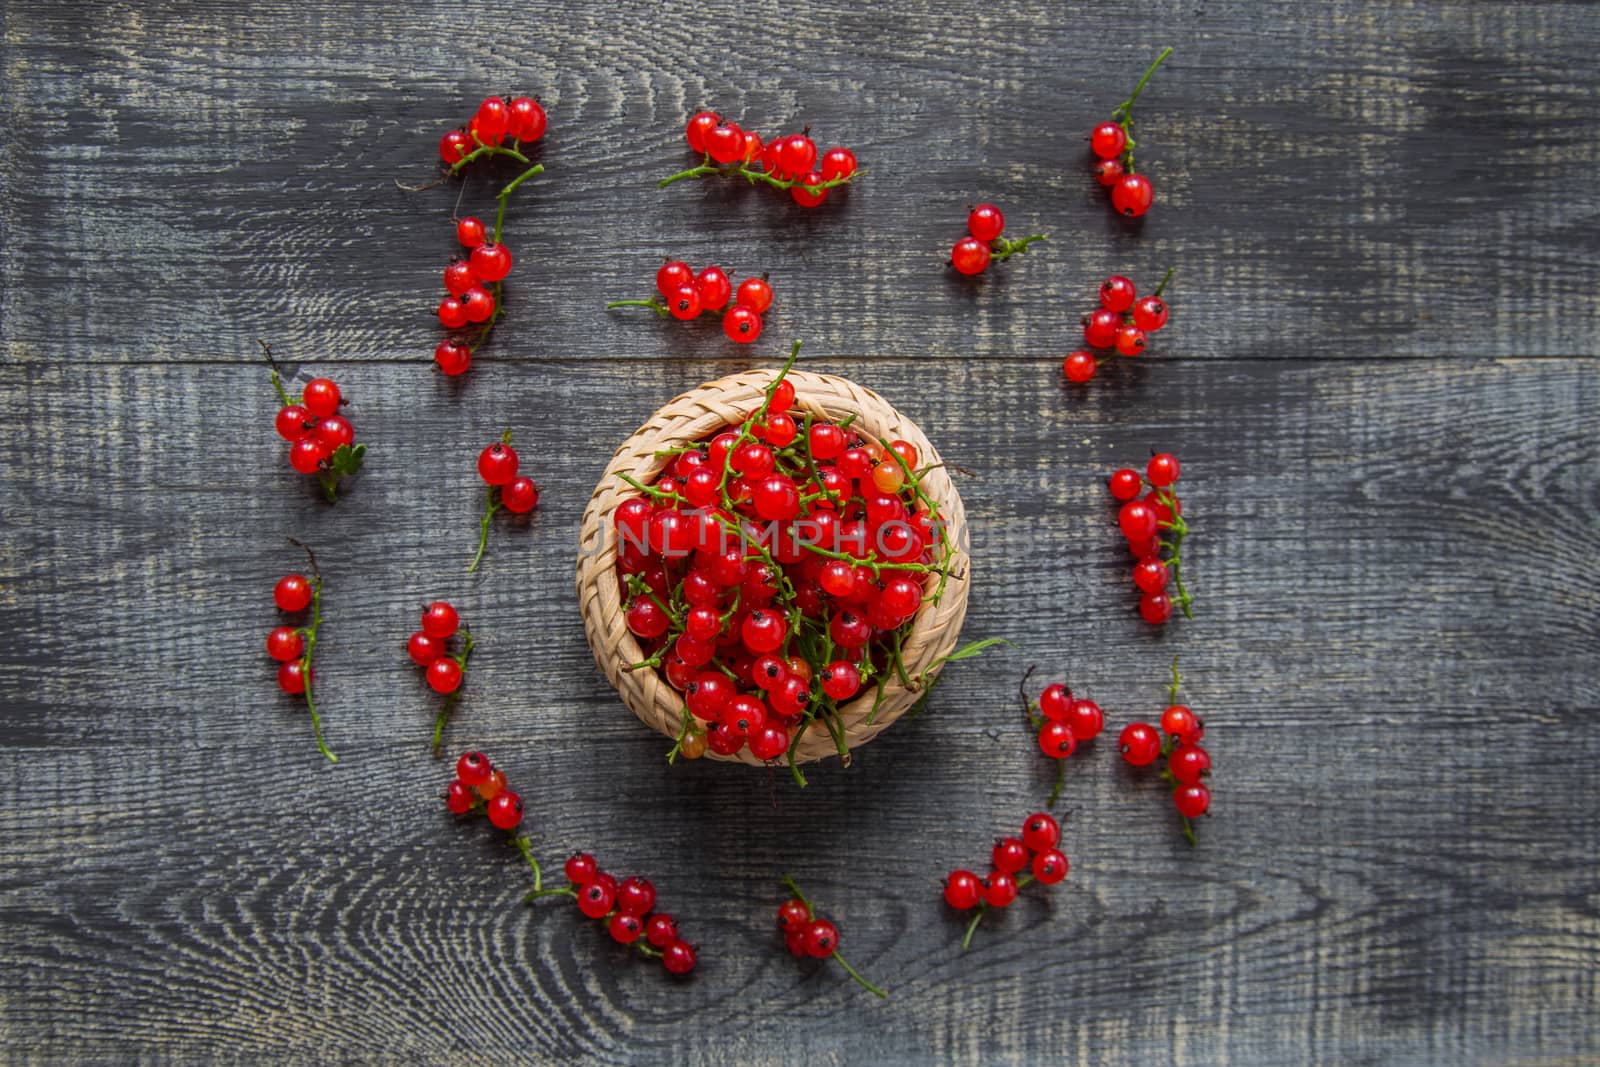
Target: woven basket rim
{"points": [[694, 416]]}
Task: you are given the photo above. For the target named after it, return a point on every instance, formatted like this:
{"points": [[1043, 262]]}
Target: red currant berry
{"points": [[497, 464], [701, 124], [285, 643], [458, 277], [1188, 763], [1137, 520], [1050, 866], [1130, 340], [962, 890], [458, 798], [478, 304], [769, 742], [454, 147], [581, 868], [661, 930], [335, 432], [672, 274], [1180, 722], [1162, 470], [725, 142], [780, 430], [321, 397], [493, 119], [423, 649], [1132, 194], [470, 232], [684, 303], [753, 147], [756, 294], [822, 938], [1056, 740], [453, 358], [849, 630], [837, 163], [1155, 607], [841, 680], [528, 120], [1117, 293], [1107, 140], [715, 288], [625, 928], [763, 631], [473, 768], [505, 810], [491, 262], [1100, 328], [782, 398], [636, 896], [790, 696], [1010, 855], [797, 154], [805, 191], [1086, 719], [754, 461], [293, 677], [724, 739], [292, 422], [1139, 744], [985, 222], [793, 915], [999, 890], [969, 256], [494, 785], [1040, 831], [306, 455], [1125, 484], [1192, 800], [1150, 314], [1055, 701], [1151, 575], [741, 324], [826, 441], [678, 957], [1108, 171], [1079, 367], [444, 675], [452, 313], [646, 619], [595, 898], [440, 620], [292, 593], [520, 495]]}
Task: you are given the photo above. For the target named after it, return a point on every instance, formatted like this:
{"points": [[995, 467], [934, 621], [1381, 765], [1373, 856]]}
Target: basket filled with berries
{"points": [[774, 567]]}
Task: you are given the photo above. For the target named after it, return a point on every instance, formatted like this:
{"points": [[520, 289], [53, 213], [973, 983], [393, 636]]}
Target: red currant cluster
{"points": [[625, 908], [983, 244], [1143, 519], [1179, 741], [479, 784], [518, 494], [429, 648], [781, 559], [786, 163], [1123, 322], [1112, 144], [1063, 721], [499, 129], [685, 294], [1035, 853], [321, 441], [291, 646], [804, 934]]}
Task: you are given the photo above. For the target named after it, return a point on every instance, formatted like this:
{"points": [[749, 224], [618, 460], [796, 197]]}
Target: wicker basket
{"points": [[694, 416]]}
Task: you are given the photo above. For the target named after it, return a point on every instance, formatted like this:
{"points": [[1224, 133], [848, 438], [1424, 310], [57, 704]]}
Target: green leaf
{"points": [[347, 460]]}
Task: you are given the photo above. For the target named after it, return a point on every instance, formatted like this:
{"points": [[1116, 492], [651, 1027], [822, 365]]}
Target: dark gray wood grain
{"points": [[1381, 376]]}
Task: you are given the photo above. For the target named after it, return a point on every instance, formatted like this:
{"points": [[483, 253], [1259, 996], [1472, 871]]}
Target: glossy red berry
{"points": [[793, 915], [505, 810], [684, 302], [1107, 140], [293, 677], [458, 798], [756, 294], [741, 324], [1150, 314], [493, 119], [962, 890], [840, 679], [1155, 607], [1188, 763], [285, 643], [1086, 719], [455, 146], [1162, 469], [1193, 801], [753, 147], [595, 898], [671, 274], [473, 768], [1117, 293], [827, 441], [1132, 194], [970, 256], [763, 630], [292, 422], [1130, 340], [528, 120], [440, 620], [1125, 484], [1180, 722], [1139, 744], [1080, 366], [321, 397], [453, 358], [1100, 328], [715, 288], [725, 143], [661, 930], [520, 495], [335, 432], [1050, 866], [985, 222], [452, 313], [1056, 740], [470, 232], [797, 154], [458, 277], [306, 455], [292, 593], [1040, 831], [822, 938], [837, 163], [1000, 889], [1055, 701], [636, 896], [1137, 520], [478, 304], [444, 675], [1010, 855], [645, 619], [701, 124], [625, 928], [497, 464], [581, 868], [1108, 171], [1151, 575], [423, 649], [491, 262], [678, 957], [769, 742], [805, 191]]}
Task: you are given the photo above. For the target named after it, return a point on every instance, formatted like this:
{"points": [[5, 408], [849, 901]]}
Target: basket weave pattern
{"points": [[695, 416]]}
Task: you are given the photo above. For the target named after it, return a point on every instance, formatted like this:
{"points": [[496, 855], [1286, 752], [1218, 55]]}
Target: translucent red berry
{"points": [[1192, 800], [1139, 744], [285, 643], [292, 593], [636, 896], [520, 495], [1100, 328], [1056, 740], [423, 649], [962, 890], [470, 232], [1130, 340], [497, 464], [1079, 367], [1132, 194], [473, 768], [505, 810], [528, 120], [1155, 607], [625, 928], [970, 256], [1125, 484], [805, 191], [1107, 140], [742, 324], [701, 124], [491, 262], [678, 957], [440, 620], [1162, 469], [444, 675], [458, 798], [1180, 722], [321, 397], [756, 294], [581, 868], [293, 677], [715, 288], [1010, 855], [1054, 701], [1040, 831], [821, 939], [1188, 763], [661, 930], [1000, 889], [292, 422], [837, 163], [1150, 314], [1117, 293], [1050, 866], [985, 222]]}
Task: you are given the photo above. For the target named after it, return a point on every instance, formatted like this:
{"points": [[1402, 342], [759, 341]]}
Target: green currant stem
{"points": [[277, 383], [492, 503], [504, 195], [311, 644], [1163, 286], [1005, 249], [742, 170], [653, 304], [1180, 530], [525, 847], [794, 767], [853, 973], [789, 883], [1125, 109], [744, 428], [983, 909], [1061, 775], [454, 698], [677, 745], [647, 950], [480, 152], [494, 317], [1188, 830], [1172, 690], [539, 893], [874, 565]]}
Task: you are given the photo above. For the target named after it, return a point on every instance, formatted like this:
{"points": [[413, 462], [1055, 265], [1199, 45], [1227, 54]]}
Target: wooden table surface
{"points": [[1381, 376]]}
